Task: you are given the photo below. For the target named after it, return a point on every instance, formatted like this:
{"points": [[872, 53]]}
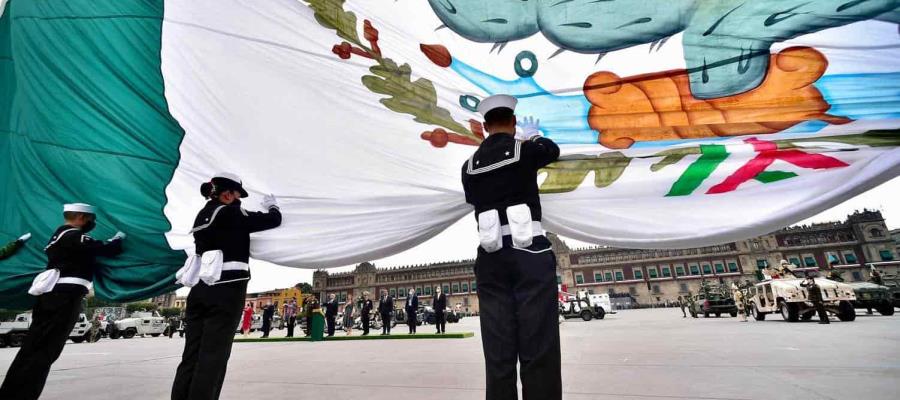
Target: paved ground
{"points": [[638, 354]]}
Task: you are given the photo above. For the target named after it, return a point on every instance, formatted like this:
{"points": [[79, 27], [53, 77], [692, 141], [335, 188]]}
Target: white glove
{"points": [[118, 236], [530, 128], [269, 202], [24, 238]]}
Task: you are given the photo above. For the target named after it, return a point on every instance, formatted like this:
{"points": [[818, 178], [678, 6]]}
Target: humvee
{"points": [[787, 297]]}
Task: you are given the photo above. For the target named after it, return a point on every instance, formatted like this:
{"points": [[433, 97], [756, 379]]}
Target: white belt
{"points": [[75, 281], [235, 266], [535, 227]]}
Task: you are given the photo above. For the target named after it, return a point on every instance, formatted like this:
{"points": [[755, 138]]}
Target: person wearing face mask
{"points": [[440, 306], [222, 239], [411, 307], [60, 289]]}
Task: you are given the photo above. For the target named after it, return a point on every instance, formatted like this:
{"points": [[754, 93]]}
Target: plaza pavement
{"points": [[636, 354]]}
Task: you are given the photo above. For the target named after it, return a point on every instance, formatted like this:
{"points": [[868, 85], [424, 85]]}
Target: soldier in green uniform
{"points": [[14, 246], [95, 329], [681, 304], [875, 276], [832, 273], [815, 297], [691, 304]]}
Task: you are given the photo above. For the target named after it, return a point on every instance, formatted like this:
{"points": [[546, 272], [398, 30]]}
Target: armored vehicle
{"points": [[714, 299], [870, 295], [790, 299]]}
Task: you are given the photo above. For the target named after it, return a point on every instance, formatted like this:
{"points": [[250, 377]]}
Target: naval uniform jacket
{"points": [[228, 227], [74, 253], [503, 173]]}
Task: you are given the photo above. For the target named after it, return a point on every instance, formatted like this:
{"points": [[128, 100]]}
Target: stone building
{"points": [[650, 276], [165, 300]]}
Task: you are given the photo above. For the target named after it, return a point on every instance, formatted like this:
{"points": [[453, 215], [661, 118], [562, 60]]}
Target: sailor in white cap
{"points": [[515, 267], [14, 246], [71, 262], [222, 241]]}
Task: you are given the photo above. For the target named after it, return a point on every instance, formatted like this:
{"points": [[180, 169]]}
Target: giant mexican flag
{"points": [[683, 122]]}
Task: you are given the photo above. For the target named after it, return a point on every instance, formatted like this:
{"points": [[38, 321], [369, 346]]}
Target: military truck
{"points": [[140, 323], [13, 333], [870, 295], [788, 298], [583, 305], [714, 299], [892, 282]]}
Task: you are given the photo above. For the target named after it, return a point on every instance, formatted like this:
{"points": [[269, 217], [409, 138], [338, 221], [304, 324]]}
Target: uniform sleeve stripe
{"points": [[211, 219]]}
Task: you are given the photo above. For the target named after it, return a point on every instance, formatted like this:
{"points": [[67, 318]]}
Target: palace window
{"points": [[419, 291], [732, 266], [446, 289], [401, 293], [720, 268], [619, 275], [850, 256], [707, 269], [428, 290], [558, 280], [598, 276], [656, 289], [465, 287], [682, 288], [695, 269], [666, 272], [761, 263], [679, 270], [875, 232], [857, 276], [393, 292], [809, 261], [474, 287], [653, 272], [579, 278], [455, 288], [795, 261], [886, 255], [638, 274], [607, 276]]}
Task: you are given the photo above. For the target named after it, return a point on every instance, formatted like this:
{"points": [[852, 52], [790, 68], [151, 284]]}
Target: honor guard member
{"points": [[515, 267], [60, 289], [222, 239]]}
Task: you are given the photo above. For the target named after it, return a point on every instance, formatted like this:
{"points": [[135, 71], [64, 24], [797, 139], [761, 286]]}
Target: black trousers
{"points": [[329, 322], [386, 323], [267, 326], [212, 316], [411, 321], [309, 324], [53, 317], [365, 323], [290, 326], [517, 294], [440, 321], [823, 314]]}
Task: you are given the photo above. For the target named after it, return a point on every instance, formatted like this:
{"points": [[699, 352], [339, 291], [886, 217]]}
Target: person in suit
{"points": [[412, 306], [366, 311], [440, 305], [268, 314], [331, 308], [385, 308]]}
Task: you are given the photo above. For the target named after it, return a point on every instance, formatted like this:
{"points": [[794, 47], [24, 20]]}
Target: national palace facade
{"points": [[649, 276]]}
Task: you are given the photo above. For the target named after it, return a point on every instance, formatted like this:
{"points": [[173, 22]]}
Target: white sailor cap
{"points": [[497, 101], [232, 181], [79, 207]]}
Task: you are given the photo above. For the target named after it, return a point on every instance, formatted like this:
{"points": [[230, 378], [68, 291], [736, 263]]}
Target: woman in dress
{"points": [[348, 315], [247, 319]]}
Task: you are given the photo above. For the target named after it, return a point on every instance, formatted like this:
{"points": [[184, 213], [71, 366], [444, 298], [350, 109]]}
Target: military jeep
{"points": [[870, 295], [788, 298]]}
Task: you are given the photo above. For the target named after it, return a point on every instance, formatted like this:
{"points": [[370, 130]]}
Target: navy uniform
{"points": [[73, 253], [517, 289], [214, 310]]}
